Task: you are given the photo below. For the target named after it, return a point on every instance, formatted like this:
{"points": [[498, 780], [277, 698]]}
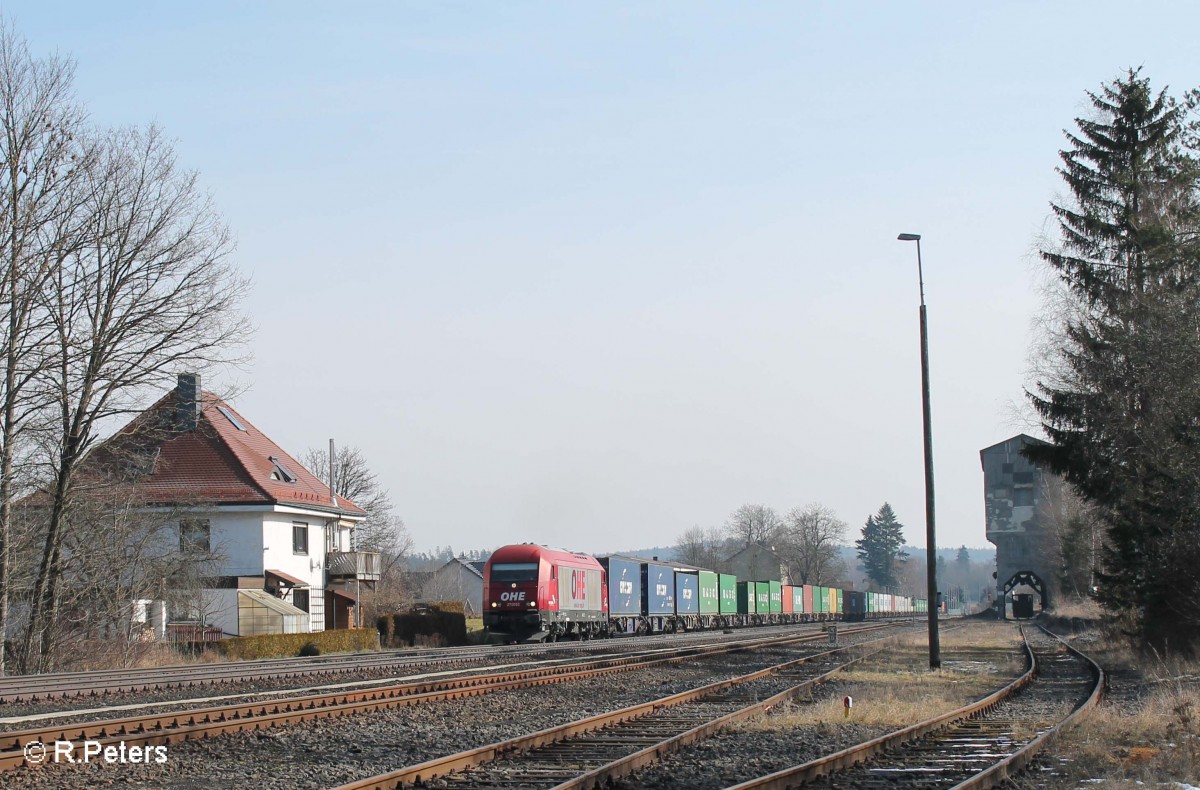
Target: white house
{"points": [[285, 560]]}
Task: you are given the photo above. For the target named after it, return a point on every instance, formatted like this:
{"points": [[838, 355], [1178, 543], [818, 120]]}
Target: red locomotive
{"points": [[532, 592]]}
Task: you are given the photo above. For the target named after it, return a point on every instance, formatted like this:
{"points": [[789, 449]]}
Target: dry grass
{"points": [[1158, 742], [96, 654], [1152, 739], [1084, 610], [897, 688]]}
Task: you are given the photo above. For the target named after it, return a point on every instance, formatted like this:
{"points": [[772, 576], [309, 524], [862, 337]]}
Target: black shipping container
{"points": [[658, 588], [855, 604], [624, 585]]}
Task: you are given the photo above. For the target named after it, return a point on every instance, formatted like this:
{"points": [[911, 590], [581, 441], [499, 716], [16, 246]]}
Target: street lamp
{"points": [[935, 649]]}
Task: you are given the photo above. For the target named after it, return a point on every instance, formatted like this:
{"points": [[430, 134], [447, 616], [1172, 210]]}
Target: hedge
{"points": [[429, 626], [343, 640]]}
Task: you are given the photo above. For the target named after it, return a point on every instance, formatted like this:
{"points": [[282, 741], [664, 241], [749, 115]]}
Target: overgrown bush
{"points": [[429, 626], [343, 640], [387, 629]]}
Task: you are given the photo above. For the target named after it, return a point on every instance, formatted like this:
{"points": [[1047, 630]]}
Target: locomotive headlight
{"points": [[514, 585], [494, 604], [533, 603]]}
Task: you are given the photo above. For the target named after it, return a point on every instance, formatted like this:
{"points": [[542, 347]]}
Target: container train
{"points": [[534, 593]]}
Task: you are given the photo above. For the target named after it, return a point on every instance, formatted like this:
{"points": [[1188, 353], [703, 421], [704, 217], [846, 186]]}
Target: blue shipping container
{"points": [[687, 593], [624, 585], [658, 588]]}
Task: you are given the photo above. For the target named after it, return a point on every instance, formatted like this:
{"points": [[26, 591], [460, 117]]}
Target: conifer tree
{"points": [[1119, 403], [881, 547]]}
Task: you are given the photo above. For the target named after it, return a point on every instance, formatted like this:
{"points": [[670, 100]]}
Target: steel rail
{"points": [[21, 688], [450, 764], [96, 683], [1015, 763], [798, 775], [172, 727], [986, 778]]}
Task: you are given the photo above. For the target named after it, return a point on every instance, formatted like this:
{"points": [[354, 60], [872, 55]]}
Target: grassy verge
{"points": [[897, 688], [1147, 733]]}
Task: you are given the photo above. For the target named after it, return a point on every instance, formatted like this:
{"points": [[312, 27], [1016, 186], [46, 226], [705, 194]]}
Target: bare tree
{"points": [[120, 558], [751, 524], [39, 127], [149, 290], [382, 530], [1073, 535], [808, 544], [702, 547]]}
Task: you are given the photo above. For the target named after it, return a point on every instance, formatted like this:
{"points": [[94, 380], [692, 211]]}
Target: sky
{"points": [[590, 274]]}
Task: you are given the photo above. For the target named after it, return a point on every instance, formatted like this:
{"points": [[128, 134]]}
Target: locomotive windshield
{"points": [[514, 572]]}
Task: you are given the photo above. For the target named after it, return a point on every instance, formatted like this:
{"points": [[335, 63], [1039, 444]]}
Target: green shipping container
{"points": [[762, 597], [709, 603], [728, 585], [745, 597], [820, 599], [775, 590], [841, 600], [798, 599]]}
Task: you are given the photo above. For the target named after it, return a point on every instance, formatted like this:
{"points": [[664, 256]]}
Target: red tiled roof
{"points": [[218, 463]]}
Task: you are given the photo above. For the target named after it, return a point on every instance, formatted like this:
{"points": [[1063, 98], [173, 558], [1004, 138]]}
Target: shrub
{"points": [[449, 628], [309, 650], [387, 629], [343, 640]]}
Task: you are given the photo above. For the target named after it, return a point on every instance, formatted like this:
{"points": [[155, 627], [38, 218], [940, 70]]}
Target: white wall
{"points": [[237, 537], [251, 541], [220, 609]]}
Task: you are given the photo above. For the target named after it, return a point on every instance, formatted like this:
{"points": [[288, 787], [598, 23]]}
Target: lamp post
{"points": [[935, 649]]}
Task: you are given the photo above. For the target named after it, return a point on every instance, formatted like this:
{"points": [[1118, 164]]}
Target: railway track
{"points": [[977, 746], [595, 750], [100, 683], [171, 727]]}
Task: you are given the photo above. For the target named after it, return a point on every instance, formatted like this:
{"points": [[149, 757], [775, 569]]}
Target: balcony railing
{"points": [[362, 565]]}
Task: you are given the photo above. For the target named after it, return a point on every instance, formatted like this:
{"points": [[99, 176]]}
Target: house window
{"points": [[299, 537], [194, 536], [300, 599]]}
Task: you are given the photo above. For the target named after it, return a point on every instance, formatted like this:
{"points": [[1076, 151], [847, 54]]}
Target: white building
{"points": [[284, 556]]}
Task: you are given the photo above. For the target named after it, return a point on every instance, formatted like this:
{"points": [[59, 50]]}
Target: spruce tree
{"points": [[880, 547], [1119, 406]]}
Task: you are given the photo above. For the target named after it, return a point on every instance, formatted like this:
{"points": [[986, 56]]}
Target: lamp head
{"points": [[909, 237]]}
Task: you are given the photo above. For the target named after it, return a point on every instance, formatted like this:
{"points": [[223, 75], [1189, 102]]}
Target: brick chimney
{"points": [[187, 402]]}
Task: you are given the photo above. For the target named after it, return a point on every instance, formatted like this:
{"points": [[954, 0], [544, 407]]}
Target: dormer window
{"points": [[281, 472]]}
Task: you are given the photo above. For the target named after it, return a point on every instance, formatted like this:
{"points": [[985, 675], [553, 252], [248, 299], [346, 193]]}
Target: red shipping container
{"points": [[808, 598], [788, 604]]}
